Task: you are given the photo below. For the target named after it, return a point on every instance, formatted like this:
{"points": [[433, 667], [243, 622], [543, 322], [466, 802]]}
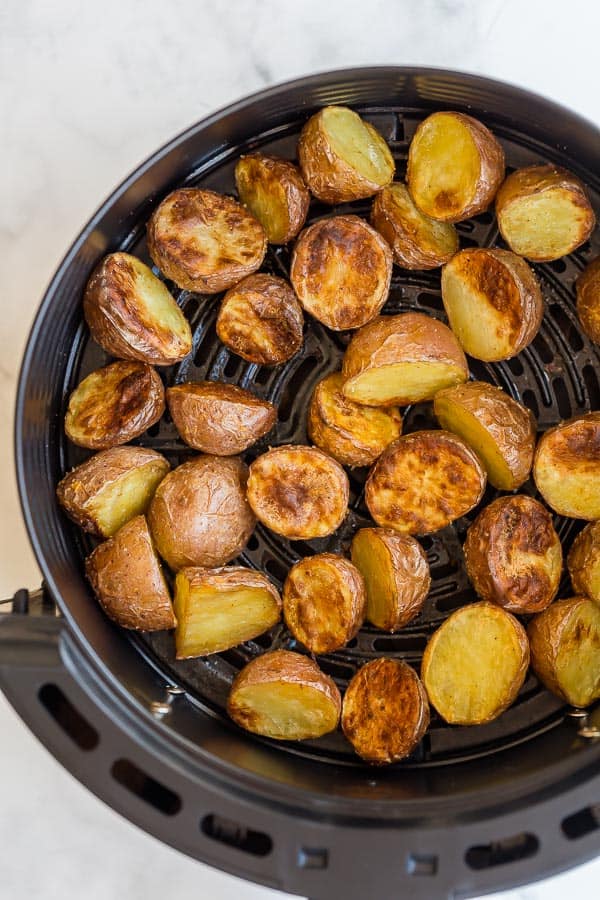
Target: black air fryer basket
{"points": [[474, 809]]}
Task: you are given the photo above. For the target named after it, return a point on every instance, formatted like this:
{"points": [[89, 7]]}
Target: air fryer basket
{"points": [[474, 809]]}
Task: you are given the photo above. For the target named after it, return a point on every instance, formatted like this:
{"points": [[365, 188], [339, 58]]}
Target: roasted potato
{"points": [[402, 359], [204, 241], [341, 271], [298, 492], [114, 405], [217, 418], [396, 575], [424, 481], [455, 167], [199, 515], [588, 300], [565, 649], [500, 431], [583, 562], [218, 609], [261, 320], [385, 712], [493, 302], [513, 555], [111, 487], [566, 467], [475, 664], [324, 602], [543, 212], [285, 696], [342, 157], [128, 582], [132, 315], [275, 193]]}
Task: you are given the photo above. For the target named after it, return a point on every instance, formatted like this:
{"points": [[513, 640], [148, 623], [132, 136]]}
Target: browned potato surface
{"points": [[588, 300], [566, 467], [275, 193], [583, 562]]}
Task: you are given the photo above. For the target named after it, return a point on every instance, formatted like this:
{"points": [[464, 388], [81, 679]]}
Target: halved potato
{"points": [[402, 359], [275, 193], [566, 467], [132, 315], [342, 157], [565, 649], [583, 562], [114, 405], [500, 431], [493, 302], [285, 696], [475, 664], [396, 575], [588, 300], [218, 609], [341, 271], [204, 241], [455, 166], [543, 212], [424, 481], [385, 712]]}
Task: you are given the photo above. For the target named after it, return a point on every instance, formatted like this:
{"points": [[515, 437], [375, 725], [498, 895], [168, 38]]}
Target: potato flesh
{"points": [[268, 203], [437, 237], [159, 304], [403, 383], [284, 711], [126, 497], [372, 559], [455, 418], [578, 656], [544, 226], [480, 328], [445, 167], [357, 143]]}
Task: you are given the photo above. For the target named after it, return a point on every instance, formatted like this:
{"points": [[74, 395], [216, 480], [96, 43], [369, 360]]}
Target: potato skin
{"points": [[256, 175], [566, 467], [584, 556], [588, 300]]}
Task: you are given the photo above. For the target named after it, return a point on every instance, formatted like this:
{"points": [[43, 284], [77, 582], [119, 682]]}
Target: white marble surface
{"points": [[87, 90]]}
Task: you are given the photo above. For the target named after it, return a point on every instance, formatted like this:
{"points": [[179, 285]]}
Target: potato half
{"points": [[285, 696], [583, 562], [402, 359], [275, 193], [475, 664], [566, 467], [588, 300], [341, 271]]}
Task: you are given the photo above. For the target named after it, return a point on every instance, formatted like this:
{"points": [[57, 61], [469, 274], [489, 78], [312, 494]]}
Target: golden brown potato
{"points": [[396, 574], [566, 467], [493, 302], [114, 405], [475, 664], [341, 271], [128, 581], [424, 481], [199, 515], [218, 609], [385, 712], [588, 300], [261, 320], [342, 157], [205, 241], [402, 359], [500, 431], [565, 649], [583, 562], [455, 166], [217, 418], [132, 315], [324, 602], [298, 492], [513, 555], [417, 241], [543, 212], [111, 487], [274, 191], [284, 696]]}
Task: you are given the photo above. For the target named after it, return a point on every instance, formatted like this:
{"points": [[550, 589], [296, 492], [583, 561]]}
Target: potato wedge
{"points": [[396, 574], [402, 359], [385, 711], [218, 609], [285, 696], [501, 431], [493, 302], [583, 562], [342, 157], [475, 664], [341, 271], [128, 582], [132, 315], [588, 300], [543, 212], [205, 241], [424, 481], [114, 405], [513, 555], [566, 467], [275, 193], [565, 649], [455, 166]]}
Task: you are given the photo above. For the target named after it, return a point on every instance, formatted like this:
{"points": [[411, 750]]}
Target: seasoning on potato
{"points": [[588, 300], [583, 562], [275, 193], [566, 467]]}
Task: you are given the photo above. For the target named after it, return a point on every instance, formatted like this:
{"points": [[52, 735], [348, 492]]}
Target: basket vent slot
{"points": [[134, 779], [218, 828], [68, 717], [499, 853], [581, 823]]}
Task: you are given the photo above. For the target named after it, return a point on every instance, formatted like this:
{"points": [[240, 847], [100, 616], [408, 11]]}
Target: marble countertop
{"points": [[86, 92]]}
